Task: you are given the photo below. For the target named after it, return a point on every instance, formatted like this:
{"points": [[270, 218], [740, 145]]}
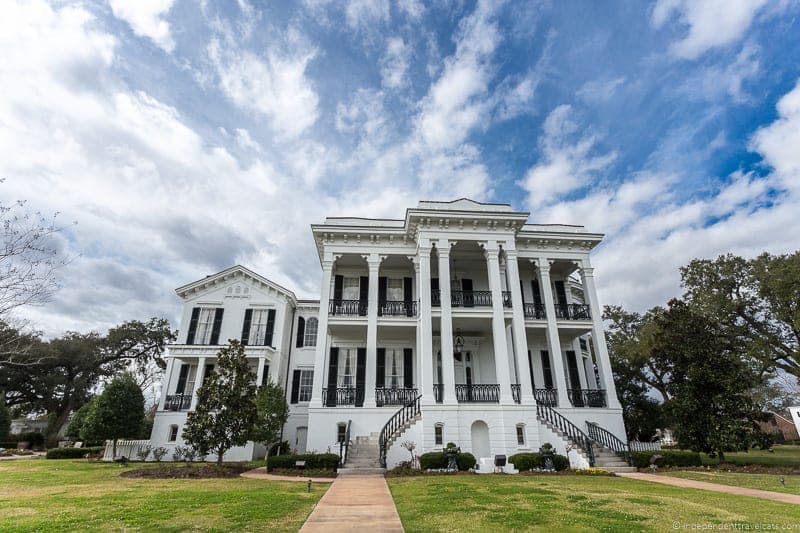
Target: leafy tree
{"points": [[754, 301], [117, 413], [57, 376], [273, 411], [712, 407], [226, 411], [78, 419], [5, 419]]}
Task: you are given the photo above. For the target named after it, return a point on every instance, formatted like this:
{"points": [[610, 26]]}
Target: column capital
{"points": [[511, 254], [542, 264], [587, 272], [443, 247], [374, 260]]}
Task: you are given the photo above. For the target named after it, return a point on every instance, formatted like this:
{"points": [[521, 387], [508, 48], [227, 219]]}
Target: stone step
{"points": [[346, 471], [608, 465], [617, 469]]}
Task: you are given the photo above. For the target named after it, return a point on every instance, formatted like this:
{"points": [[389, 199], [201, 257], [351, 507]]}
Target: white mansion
{"points": [[459, 323]]}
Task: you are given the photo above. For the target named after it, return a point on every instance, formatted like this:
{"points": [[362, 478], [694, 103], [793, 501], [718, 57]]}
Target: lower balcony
{"points": [[390, 396], [178, 402], [534, 311], [338, 307], [572, 312], [587, 397], [343, 396], [548, 397], [480, 393]]}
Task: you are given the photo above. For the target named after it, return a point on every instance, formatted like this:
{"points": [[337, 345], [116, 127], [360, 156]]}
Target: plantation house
{"points": [[459, 323]]}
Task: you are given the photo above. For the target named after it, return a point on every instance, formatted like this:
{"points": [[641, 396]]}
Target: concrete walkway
{"points": [[716, 487], [355, 503]]}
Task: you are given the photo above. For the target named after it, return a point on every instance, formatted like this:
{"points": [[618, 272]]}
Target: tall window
{"points": [[205, 323], [438, 434], [394, 289], [394, 368], [173, 433], [351, 288], [347, 368], [258, 327], [310, 336], [521, 434], [306, 383], [341, 432]]}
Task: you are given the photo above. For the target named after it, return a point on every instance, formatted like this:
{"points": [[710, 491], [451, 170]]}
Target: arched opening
{"points": [[480, 439]]}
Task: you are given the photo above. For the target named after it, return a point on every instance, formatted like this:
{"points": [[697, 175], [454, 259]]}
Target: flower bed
{"points": [[188, 471]]}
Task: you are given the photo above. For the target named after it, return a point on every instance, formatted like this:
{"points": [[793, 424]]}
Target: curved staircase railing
{"points": [[573, 432], [608, 440], [344, 446], [397, 421]]}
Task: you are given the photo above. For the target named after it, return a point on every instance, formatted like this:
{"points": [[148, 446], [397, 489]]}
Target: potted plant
{"points": [[547, 456], [451, 452]]}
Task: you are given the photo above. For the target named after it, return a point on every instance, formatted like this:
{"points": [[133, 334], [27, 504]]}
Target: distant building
{"points": [[27, 425], [782, 425]]}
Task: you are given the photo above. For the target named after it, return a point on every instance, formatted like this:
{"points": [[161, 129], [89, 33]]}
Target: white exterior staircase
{"points": [[363, 457]]}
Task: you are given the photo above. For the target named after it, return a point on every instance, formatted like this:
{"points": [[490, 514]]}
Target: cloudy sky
{"points": [[186, 136]]}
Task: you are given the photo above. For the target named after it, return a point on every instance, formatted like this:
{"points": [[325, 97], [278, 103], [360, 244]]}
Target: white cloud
{"points": [[146, 19], [717, 81], [597, 91], [365, 13], [394, 63], [779, 141], [275, 86], [413, 8]]}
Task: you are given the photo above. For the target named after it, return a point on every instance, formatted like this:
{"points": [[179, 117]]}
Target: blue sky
{"points": [[186, 136]]}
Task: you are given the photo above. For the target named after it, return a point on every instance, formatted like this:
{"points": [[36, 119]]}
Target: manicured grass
{"points": [[67, 494], [737, 479], [783, 455], [504, 503]]}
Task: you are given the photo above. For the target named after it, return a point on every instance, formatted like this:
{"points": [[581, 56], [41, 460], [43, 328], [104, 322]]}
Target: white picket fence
{"points": [[127, 448], [637, 446]]}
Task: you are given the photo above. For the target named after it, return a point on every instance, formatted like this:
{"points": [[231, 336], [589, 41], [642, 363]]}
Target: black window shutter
{"points": [[183, 376], [548, 374], [574, 376], [270, 327], [530, 367], [522, 291], [435, 296], [408, 368], [295, 386], [561, 293], [265, 377], [434, 284], [248, 319], [193, 325], [333, 374], [363, 295], [408, 295], [380, 368], [382, 289], [537, 295], [361, 375], [338, 287], [217, 326], [301, 331]]}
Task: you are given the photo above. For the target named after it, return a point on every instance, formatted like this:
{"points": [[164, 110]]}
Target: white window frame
{"points": [[205, 324], [306, 385], [310, 333], [344, 380], [394, 289], [396, 356], [351, 288], [521, 434], [438, 440], [172, 436], [341, 427], [258, 327]]}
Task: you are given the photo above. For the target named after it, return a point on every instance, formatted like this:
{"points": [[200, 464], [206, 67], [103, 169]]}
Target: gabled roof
{"points": [[234, 271]]}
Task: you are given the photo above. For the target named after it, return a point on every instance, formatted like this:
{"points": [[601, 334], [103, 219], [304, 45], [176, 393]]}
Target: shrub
{"points": [[668, 458], [528, 460], [159, 453], [179, 453], [143, 452], [466, 461], [74, 453], [438, 460], [36, 440], [9, 444], [324, 461]]}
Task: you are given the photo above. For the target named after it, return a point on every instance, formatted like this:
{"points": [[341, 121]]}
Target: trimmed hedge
{"points": [[438, 460], [73, 453], [35, 439], [528, 460], [10, 444], [316, 461], [670, 458]]}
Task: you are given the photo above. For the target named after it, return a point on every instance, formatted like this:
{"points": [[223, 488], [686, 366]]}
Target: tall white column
{"points": [[165, 384], [553, 341], [446, 328], [260, 371], [425, 325], [374, 263], [322, 331], [498, 324], [598, 335], [200, 375], [520, 338]]}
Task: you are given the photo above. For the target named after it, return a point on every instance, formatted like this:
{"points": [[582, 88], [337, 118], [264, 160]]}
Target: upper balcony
{"points": [[359, 308], [469, 298]]}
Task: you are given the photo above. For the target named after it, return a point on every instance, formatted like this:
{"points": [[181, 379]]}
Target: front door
{"points": [[300, 439]]}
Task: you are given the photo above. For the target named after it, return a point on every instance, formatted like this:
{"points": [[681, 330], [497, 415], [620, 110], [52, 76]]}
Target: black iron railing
{"points": [[559, 422], [573, 312], [342, 396], [587, 397], [506, 298], [471, 298], [535, 311], [515, 392], [178, 402], [478, 393], [438, 392], [608, 440], [393, 308], [389, 396], [347, 308], [344, 446], [396, 424], [548, 397]]}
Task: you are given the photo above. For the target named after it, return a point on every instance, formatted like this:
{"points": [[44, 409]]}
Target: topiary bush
{"points": [[528, 460], [668, 458], [36, 440], [432, 460], [74, 453], [321, 461], [465, 461]]}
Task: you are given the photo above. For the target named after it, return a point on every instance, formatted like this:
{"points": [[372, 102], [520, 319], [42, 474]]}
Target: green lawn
{"points": [[59, 495], [751, 481], [784, 455], [504, 503]]}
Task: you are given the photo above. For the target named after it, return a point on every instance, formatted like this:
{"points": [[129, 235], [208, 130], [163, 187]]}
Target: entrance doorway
{"points": [[480, 439]]}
